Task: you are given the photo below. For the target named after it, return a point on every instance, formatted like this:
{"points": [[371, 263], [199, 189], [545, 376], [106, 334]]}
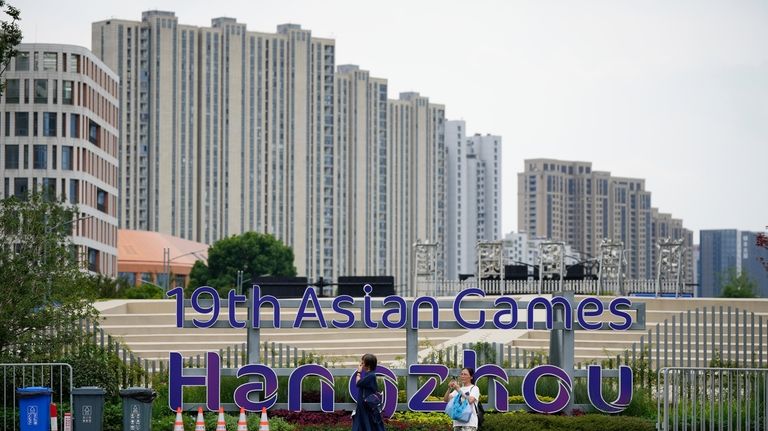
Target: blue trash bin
{"points": [[34, 408]]}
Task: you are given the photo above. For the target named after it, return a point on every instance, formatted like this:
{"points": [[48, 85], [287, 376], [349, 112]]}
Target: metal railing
{"points": [[56, 376], [712, 399], [532, 287], [713, 336]]}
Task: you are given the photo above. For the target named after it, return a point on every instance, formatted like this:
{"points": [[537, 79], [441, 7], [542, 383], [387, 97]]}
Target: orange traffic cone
{"points": [[264, 423], [242, 424], [200, 422], [220, 424], [179, 424]]}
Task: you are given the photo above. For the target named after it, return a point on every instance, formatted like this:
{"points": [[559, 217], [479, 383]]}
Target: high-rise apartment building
{"points": [[362, 186], [59, 123], [416, 183], [568, 201], [725, 250], [225, 130], [472, 193]]}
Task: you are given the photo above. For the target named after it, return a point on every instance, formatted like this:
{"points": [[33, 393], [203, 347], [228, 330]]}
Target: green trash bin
{"points": [[88, 408], [137, 408]]}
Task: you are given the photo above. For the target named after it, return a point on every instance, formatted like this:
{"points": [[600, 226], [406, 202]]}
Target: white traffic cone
{"points": [[242, 423], [54, 418], [221, 425], [178, 425], [200, 422], [264, 423]]}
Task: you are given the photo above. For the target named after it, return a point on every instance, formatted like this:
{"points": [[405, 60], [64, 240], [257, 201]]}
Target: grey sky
{"points": [[672, 91]]}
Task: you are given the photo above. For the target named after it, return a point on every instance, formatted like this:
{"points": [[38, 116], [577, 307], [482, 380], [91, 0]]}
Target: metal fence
{"points": [[276, 355], [56, 376], [533, 287], [713, 336], [712, 399]]}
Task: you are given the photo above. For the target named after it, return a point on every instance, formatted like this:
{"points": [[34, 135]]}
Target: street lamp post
{"points": [[551, 262], [167, 259], [490, 262], [423, 265]]}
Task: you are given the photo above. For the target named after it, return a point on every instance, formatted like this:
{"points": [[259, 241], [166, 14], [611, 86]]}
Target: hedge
{"points": [[522, 421], [282, 420]]}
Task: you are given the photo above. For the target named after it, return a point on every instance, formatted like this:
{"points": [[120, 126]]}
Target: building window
{"points": [[128, 277], [22, 61], [41, 91], [12, 91], [93, 259], [20, 188], [74, 125], [49, 61], [11, 157], [101, 200], [39, 157], [49, 124], [49, 189], [93, 132], [74, 63], [74, 186], [66, 95], [22, 124], [66, 157]]}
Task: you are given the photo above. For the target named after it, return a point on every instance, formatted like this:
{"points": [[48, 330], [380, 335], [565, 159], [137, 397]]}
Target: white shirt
{"points": [[473, 392]]}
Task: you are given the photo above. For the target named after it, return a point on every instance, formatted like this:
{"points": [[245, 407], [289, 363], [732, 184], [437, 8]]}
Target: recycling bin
{"points": [[88, 408], [137, 408], [34, 408]]}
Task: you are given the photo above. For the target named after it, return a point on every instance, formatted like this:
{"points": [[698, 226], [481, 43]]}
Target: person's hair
{"points": [[471, 372], [370, 361]]}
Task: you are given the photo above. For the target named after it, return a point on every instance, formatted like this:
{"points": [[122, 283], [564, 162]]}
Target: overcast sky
{"points": [[672, 91]]}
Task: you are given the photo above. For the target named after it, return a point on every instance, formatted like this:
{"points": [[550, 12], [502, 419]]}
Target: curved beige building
{"points": [[59, 128]]}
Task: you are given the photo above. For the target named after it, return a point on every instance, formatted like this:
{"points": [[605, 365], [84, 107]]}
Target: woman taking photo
{"points": [[364, 418], [467, 390]]}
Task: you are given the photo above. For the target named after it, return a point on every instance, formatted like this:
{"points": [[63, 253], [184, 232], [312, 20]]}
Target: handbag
{"points": [[373, 402], [480, 413], [375, 405], [459, 409]]}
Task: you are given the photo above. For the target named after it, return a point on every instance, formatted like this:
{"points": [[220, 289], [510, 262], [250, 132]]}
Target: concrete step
{"points": [[285, 315], [631, 336], [286, 336]]}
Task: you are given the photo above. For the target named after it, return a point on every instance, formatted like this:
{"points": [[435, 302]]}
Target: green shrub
{"points": [[421, 421], [113, 416], [145, 291], [95, 366], [521, 421], [643, 405]]}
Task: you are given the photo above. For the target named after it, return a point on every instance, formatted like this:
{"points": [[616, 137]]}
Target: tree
{"points": [[10, 37], [45, 294], [738, 286], [255, 254]]}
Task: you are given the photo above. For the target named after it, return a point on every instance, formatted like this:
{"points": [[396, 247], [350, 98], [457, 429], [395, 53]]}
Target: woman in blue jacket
{"points": [[365, 418]]}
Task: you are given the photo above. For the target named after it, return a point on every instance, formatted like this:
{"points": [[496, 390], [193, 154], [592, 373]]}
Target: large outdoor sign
{"points": [[205, 300]]}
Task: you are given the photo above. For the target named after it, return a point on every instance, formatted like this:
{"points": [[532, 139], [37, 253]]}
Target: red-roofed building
{"points": [[142, 257]]}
